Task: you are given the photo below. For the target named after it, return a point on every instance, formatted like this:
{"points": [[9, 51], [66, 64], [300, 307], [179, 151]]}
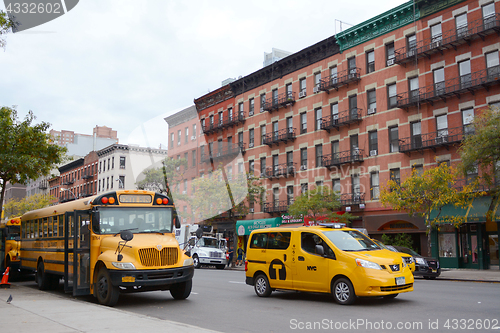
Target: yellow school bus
{"points": [[113, 243], [10, 244]]}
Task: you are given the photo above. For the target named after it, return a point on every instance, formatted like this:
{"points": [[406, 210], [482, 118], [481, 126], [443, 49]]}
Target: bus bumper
{"points": [[148, 280]]}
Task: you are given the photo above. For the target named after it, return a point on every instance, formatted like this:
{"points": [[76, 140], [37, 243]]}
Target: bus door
{"points": [[77, 253]]}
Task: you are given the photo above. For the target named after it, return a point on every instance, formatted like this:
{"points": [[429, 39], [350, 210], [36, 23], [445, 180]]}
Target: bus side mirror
{"points": [[126, 235], [177, 222]]}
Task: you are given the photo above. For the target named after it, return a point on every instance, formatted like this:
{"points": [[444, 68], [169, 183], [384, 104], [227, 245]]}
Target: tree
{"points": [[480, 152], [16, 207], [319, 203], [398, 240], [6, 25], [431, 191], [163, 179], [26, 150]]}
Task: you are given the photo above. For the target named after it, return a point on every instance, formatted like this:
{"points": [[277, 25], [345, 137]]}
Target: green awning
{"points": [[474, 213], [245, 227]]}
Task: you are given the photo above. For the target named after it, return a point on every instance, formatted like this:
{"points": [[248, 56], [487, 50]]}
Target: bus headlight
{"points": [[188, 262], [367, 264], [123, 265]]}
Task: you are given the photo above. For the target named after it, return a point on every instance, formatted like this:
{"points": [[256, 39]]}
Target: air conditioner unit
{"points": [[261, 109], [441, 139], [303, 167], [316, 89], [250, 145], [218, 154], [372, 110], [390, 62], [302, 94], [411, 53], [193, 137], [373, 152], [184, 192], [435, 44], [251, 210]]}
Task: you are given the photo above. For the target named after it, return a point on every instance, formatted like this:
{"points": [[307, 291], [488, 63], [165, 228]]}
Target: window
{"points": [[389, 51], [240, 139], [240, 111], [179, 137], [356, 187], [489, 19], [333, 74], [472, 174], [251, 138], [414, 89], [317, 80], [393, 139], [172, 139], [302, 84], [319, 156], [122, 162], [335, 152], [303, 188], [251, 106], [262, 166], [275, 96], [109, 166], [492, 65], [442, 128], [262, 134], [289, 125], [289, 92], [351, 66], [276, 197], [418, 169], [251, 167], [303, 158], [467, 119], [240, 167], [336, 185], [303, 123], [289, 195], [411, 43], [374, 186], [372, 101], [107, 183], [354, 145], [112, 162], [370, 61], [318, 116], [436, 35], [373, 143], [121, 181], [275, 131], [193, 157], [186, 135], [221, 119], [194, 131], [230, 173], [465, 74], [334, 111], [289, 159], [394, 174], [353, 107], [186, 157], [262, 102], [439, 84], [461, 23], [202, 126], [392, 97], [416, 135]]}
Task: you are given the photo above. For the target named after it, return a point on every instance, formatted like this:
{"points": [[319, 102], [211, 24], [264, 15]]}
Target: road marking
{"points": [[239, 282], [194, 293]]}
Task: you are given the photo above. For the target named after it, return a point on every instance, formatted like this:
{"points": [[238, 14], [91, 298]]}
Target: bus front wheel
{"points": [[181, 290], [107, 294]]}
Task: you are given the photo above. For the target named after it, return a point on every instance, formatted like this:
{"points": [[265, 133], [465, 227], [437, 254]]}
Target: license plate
{"points": [[400, 281], [434, 270], [128, 278]]}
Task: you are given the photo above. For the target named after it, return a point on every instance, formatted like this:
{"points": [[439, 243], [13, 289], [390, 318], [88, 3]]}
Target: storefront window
{"points": [[447, 246]]}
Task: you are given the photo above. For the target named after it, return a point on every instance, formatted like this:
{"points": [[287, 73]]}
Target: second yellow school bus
{"points": [[117, 242], [10, 244]]}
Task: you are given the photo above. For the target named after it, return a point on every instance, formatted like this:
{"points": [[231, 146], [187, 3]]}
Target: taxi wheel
{"points": [[261, 285], [343, 291], [196, 261], [107, 294]]}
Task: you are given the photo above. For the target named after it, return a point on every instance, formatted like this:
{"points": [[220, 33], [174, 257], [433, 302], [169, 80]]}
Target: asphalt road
{"points": [[221, 301]]}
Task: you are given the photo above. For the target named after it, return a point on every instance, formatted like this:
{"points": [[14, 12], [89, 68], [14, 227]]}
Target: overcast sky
{"points": [[128, 64]]}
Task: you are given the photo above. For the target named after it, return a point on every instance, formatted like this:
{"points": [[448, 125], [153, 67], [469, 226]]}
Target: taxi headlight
{"points": [[367, 264], [188, 262], [404, 263], [420, 261], [123, 265]]}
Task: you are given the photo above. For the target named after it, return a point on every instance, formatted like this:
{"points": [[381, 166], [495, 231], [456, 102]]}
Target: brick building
{"points": [[394, 93]]}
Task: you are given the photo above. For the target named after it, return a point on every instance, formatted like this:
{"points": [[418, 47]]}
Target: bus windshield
{"points": [[351, 240], [137, 220], [13, 231]]}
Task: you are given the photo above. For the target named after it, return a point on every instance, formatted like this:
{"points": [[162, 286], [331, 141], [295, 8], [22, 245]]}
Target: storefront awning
{"points": [[474, 213], [245, 227]]}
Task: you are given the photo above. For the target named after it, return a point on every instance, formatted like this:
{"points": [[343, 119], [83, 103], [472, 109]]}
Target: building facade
{"points": [[392, 94]]}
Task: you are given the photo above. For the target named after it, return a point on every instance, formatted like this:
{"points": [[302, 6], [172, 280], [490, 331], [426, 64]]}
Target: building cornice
{"points": [[182, 116]]}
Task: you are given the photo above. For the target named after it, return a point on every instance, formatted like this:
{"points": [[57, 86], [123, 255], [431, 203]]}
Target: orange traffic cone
{"points": [[5, 279]]}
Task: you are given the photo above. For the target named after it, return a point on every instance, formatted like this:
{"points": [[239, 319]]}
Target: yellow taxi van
{"points": [[326, 259]]}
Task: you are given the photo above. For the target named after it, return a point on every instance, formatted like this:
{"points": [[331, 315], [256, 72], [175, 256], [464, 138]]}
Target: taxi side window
{"points": [[309, 242], [278, 240], [259, 241]]}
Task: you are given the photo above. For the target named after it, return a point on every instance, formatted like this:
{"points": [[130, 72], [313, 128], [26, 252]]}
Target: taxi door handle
{"points": [[284, 257], [301, 258]]}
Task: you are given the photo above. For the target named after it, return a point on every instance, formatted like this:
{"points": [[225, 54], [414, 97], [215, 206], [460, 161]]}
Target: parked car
{"points": [[408, 258], [424, 266]]}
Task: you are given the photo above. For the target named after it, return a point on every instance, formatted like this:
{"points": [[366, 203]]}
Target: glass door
{"points": [[77, 253]]}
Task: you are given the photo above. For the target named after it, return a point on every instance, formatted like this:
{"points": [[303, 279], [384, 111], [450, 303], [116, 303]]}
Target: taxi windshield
{"points": [[137, 220], [351, 240]]}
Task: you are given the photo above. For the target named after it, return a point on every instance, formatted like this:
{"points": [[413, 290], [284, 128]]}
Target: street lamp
{"points": [[67, 189], [120, 182]]}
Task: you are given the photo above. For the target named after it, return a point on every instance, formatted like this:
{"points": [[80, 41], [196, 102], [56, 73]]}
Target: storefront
{"points": [[474, 244], [245, 227]]}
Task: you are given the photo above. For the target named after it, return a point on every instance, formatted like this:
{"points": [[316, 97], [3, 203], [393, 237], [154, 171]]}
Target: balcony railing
{"points": [[223, 152], [275, 207], [461, 183], [343, 118], [441, 138], [347, 199], [448, 39], [343, 157], [340, 79], [276, 137], [281, 170], [451, 87], [279, 101], [87, 175], [225, 122]]}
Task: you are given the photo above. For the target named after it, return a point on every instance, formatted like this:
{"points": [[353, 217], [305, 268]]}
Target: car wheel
{"points": [[343, 291], [261, 286], [391, 296], [196, 261], [181, 290], [107, 294]]}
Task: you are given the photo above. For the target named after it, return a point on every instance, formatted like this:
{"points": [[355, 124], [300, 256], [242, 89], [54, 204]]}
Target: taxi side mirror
{"points": [[320, 250]]}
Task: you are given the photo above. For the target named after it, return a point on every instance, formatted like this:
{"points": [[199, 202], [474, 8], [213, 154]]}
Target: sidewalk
{"points": [[32, 310]]}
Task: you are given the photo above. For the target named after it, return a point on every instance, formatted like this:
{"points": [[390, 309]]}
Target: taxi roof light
{"points": [[333, 225]]}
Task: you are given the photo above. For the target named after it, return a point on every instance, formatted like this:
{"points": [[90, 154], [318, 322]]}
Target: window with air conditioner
{"points": [[411, 44], [462, 26], [389, 51], [373, 143], [442, 129], [467, 121], [317, 82], [372, 101], [351, 68], [303, 123], [436, 36], [302, 86]]}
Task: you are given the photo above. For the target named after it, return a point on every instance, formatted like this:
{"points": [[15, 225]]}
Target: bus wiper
{"points": [[124, 230]]}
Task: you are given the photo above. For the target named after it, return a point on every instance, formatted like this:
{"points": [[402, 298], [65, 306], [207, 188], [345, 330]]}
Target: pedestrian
{"points": [[239, 261], [230, 254]]}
